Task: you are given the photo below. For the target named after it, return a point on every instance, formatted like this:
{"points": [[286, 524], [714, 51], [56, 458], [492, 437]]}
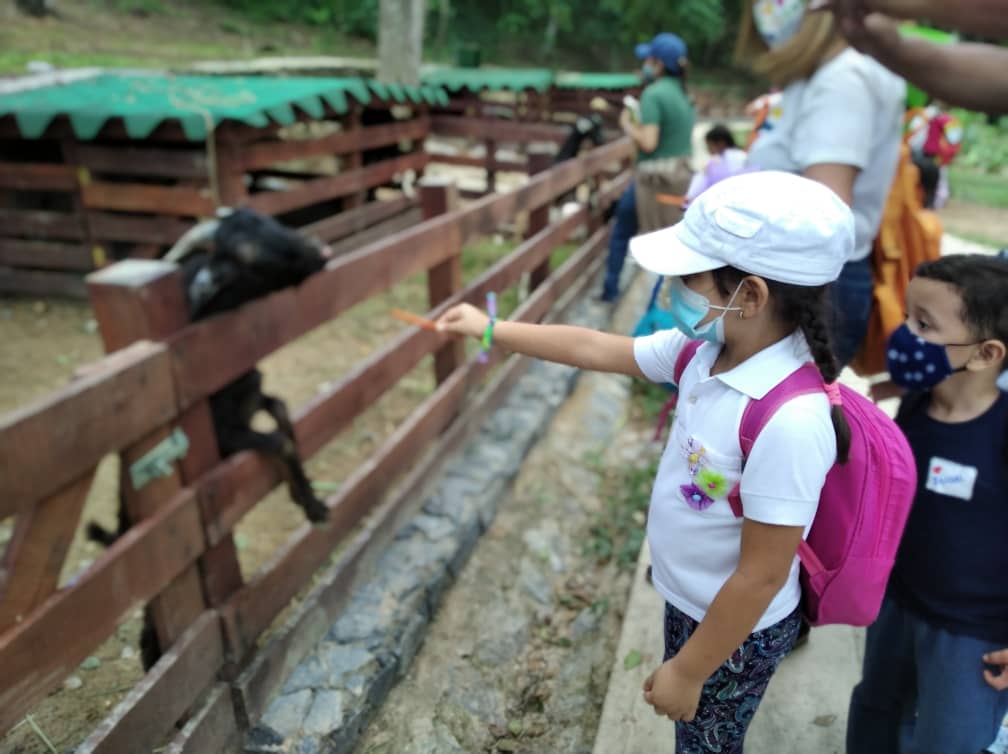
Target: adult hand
{"points": [[672, 693], [999, 658], [626, 120], [464, 319]]}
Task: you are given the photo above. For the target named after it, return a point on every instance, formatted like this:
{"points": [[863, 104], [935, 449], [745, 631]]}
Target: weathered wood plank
{"points": [[496, 129], [444, 280], [141, 197], [95, 415], [38, 177], [41, 224], [39, 652], [343, 184], [158, 229], [212, 729], [147, 714], [356, 220], [52, 255], [31, 564], [41, 283], [257, 156], [124, 159], [514, 166]]}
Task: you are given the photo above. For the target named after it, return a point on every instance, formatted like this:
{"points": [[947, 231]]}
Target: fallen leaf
{"points": [[632, 660], [515, 726], [824, 721]]}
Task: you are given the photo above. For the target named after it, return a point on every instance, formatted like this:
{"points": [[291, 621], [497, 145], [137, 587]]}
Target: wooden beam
{"points": [[538, 218], [157, 229], [444, 279], [147, 714], [356, 220], [41, 283], [212, 728], [496, 129], [343, 184], [48, 444], [262, 155], [513, 166], [32, 561], [142, 197], [40, 224], [49, 644], [125, 159], [38, 177], [52, 255]]}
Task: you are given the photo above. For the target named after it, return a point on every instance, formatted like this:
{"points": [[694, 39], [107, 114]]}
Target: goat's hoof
{"points": [[317, 512]]}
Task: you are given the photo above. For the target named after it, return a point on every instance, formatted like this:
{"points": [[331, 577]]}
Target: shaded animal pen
{"points": [[116, 165]]}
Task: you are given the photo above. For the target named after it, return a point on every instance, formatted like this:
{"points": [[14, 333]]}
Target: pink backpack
{"points": [[846, 560]]}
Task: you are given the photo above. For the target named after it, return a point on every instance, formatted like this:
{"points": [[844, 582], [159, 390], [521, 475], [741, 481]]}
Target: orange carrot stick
{"points": [[413, 319]]}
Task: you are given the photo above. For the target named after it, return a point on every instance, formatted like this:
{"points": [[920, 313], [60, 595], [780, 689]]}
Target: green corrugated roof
{"points": [[597, 80], [476, 79], [199, 103]]}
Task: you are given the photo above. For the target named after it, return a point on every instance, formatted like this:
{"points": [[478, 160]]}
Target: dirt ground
{"points": [[976, 222]]}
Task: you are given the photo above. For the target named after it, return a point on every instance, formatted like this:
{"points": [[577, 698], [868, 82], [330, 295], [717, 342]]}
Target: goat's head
{"points": [[240, 256]]}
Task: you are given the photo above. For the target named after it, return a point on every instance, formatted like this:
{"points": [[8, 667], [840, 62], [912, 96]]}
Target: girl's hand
{"points": [[880, 391], [672, 693], [999, 658], [464, 319]]}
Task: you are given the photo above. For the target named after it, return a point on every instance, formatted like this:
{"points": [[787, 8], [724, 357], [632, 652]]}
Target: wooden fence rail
{"points": [[179, 557]]}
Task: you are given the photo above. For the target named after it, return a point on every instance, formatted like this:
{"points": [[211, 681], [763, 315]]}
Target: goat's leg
{"points": [[98, 533], [281, 449], [297, 481]]}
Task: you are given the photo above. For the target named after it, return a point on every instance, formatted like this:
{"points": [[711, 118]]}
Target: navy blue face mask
{"points": [[918, 364]]}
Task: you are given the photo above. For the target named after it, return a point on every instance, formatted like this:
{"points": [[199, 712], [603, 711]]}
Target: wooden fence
{"points": [[179, 557]]}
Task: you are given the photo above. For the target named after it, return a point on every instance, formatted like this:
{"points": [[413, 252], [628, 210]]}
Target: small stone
{"points": [[534, 583], [824, 721], [91, 663], [127, 653], [90, 326], [326, 713], [40, 307], [507, 744], [586, 622], [72, 683], [287, 712]]}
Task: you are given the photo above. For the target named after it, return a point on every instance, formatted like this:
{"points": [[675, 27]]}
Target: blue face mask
{"points": [[647, 72], [689, 307], [917, 364]]}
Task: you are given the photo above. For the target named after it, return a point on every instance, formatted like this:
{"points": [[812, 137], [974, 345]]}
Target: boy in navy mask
{"points": [[935, 666]]}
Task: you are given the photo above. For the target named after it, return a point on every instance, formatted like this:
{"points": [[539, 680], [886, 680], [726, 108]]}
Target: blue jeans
{"points": [[624, 228], [923, 690], [852, 305]]}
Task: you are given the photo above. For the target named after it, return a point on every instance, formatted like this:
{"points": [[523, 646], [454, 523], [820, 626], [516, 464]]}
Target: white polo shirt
{"points": [[694, 537]]}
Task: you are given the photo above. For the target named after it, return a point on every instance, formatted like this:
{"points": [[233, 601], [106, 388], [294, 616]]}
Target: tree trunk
{"points": [[400, 40]]}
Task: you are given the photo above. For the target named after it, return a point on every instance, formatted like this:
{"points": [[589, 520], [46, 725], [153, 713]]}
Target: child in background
{"points": [[935, 665], [751, 263], [726, 160]]}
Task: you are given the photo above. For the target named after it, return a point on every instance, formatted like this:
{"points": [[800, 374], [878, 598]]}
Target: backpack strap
{"points": [[805, 380], [682, 360]]}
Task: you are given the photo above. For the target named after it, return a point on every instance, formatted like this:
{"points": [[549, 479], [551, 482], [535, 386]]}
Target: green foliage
{"points": [[539, 33], [985, 145], [618, 532]]}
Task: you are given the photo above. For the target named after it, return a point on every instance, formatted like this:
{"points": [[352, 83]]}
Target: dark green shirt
{"points": [[665, 105]]}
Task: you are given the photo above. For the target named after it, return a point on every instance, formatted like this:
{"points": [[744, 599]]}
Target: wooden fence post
{"points": [[444, 279], [355, 159], [539, 161], [140, 299], [490, 160]]}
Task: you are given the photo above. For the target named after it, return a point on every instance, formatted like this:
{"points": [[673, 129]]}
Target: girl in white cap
{"points": [[751, 263]]}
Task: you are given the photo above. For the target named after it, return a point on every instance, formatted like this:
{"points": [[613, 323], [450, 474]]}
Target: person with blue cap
{"points": [[661, 132]]}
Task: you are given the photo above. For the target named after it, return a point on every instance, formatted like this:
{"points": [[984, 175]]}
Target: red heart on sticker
{"points": [[937, 469]]}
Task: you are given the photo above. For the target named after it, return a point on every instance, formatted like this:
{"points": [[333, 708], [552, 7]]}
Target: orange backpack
{"points": [[908, 235]]}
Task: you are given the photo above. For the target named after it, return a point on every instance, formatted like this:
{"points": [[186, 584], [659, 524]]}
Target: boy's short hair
{"points": [[982, 282], [721, 134]]}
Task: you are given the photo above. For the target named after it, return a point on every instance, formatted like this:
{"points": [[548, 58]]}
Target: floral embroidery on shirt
{"points": [[707, 483]]}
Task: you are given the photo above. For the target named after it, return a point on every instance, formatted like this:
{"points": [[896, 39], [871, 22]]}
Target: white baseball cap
{"points": [[777, 225]]}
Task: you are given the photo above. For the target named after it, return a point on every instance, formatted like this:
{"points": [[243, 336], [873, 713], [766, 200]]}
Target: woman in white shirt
{"points": [[838, 121]]}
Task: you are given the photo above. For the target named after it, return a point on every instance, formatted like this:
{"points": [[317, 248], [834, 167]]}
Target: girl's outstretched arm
{"points": [[577, 346], [764, 564]]}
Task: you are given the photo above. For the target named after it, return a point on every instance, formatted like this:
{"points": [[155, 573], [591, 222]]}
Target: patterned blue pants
{"points": [[730, 696]]}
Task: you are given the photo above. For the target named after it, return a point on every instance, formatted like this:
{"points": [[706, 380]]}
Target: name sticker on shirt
{"points": [[949, 478]]}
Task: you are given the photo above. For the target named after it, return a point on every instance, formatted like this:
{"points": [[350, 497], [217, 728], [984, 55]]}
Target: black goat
{"points": [[226, 263], [585, 127]]}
